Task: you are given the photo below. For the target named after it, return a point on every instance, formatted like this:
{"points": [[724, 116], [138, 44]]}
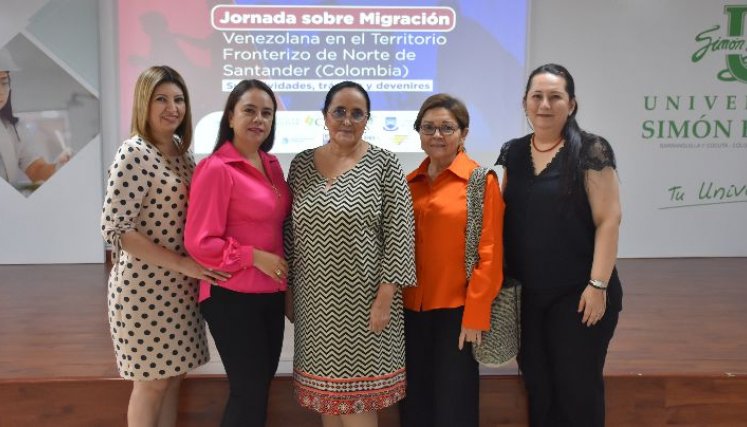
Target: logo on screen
{"points": [[313, 121], [729, 41], [399, 139], [390, 123]]}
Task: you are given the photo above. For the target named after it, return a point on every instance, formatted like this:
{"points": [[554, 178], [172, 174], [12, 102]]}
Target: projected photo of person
{"points": [[47, 115], [22, 166]]}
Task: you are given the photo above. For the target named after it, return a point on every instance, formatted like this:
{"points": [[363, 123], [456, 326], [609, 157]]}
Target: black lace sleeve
{"points": [[597, 153], [503, 156]]}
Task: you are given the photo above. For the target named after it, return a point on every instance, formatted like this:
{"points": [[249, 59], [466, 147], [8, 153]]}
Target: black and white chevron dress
{"points": [[342, 242]]}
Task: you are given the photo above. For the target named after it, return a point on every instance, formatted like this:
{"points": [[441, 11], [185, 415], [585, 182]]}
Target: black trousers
{"points": [[248, 332], [562, 359], [443, 383]]}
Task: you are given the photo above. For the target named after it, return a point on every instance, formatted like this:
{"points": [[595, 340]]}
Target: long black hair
{"points": [[6, 113], [225, 132], [572, 179]]}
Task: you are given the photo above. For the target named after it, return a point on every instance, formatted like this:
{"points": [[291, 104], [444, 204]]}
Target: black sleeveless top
{"points": [[548, 243]]}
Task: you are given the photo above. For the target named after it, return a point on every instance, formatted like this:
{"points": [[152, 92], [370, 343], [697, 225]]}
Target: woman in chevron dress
{"points": [[351, 251]]}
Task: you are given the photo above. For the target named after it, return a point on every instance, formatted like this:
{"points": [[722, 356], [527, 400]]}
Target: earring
{"points": [[526, 116], [325, 127]]}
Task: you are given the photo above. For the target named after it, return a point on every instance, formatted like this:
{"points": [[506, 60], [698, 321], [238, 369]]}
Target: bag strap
{"points": [[475, 202]]}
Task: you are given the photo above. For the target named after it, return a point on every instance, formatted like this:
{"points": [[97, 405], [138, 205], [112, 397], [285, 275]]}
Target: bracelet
{"points": [[598, 284]]}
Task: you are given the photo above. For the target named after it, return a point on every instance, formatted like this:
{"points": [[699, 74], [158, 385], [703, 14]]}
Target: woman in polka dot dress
{"points": [[154, 320]]}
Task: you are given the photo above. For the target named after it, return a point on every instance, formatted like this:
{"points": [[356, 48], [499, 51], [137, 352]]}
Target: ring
{"points": [[278, 272]]}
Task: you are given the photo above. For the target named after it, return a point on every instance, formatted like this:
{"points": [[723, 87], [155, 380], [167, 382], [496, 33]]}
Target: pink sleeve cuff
{"points": [[237, 255], [247, 257]]}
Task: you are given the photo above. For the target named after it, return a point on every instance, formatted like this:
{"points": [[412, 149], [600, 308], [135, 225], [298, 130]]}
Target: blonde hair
{"points": [[146, 84]]}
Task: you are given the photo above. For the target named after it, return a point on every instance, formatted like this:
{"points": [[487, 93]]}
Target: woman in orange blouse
{"points": [[446, 314]]}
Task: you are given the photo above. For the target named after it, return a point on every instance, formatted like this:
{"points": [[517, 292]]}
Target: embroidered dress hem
{"points": [[330, 396]]}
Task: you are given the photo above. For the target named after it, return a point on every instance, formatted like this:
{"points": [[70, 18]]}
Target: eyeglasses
{"points": [[428, 129], [356, 116]]}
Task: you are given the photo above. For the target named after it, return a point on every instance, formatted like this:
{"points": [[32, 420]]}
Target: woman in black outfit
{"points": [[561, 232]]}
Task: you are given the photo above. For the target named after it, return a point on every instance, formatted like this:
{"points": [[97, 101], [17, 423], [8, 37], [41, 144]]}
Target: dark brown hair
{"points": [[444, 100]]}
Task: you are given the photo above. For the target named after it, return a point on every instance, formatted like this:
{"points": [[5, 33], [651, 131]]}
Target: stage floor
{"points": [[681, 316]]}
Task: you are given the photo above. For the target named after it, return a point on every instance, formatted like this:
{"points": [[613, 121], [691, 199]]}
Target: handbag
{"points": [[500, 344]]}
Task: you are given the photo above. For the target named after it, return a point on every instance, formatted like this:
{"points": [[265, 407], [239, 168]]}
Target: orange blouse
{"points": [[440, 224]]}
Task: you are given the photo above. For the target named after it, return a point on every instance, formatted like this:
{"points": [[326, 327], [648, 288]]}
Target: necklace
{"points": [[548, 149], [256, 161]]}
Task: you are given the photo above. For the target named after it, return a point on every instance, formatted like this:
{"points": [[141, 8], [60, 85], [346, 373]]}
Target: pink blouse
{"points": [[234, 209]]}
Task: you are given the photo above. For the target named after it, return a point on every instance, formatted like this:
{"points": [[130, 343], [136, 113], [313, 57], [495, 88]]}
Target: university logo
{"points": [[731, 41]]}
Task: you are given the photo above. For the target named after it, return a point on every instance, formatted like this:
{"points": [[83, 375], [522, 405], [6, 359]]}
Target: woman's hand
{"points": [[593, 304], [469, 335], [270, 264], [191, 268], [63, 158], [381, 308], [289, 313]]}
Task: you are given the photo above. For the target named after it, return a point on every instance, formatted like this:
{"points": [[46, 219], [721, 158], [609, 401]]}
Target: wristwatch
{"points": [[599, 284]]}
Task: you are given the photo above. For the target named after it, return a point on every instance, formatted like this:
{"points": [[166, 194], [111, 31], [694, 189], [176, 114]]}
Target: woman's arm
{"points": [[487, 275], [398, 229], [398, 226], [288, 242], [143, 248], [604, 198]]}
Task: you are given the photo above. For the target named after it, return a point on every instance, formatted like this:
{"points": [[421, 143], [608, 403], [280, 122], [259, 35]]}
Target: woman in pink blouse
{"points": [[237, 205]]}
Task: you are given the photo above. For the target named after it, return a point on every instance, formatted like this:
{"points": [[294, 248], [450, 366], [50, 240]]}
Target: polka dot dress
{"points": [[154, 319]]}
